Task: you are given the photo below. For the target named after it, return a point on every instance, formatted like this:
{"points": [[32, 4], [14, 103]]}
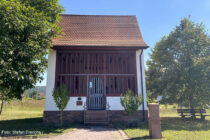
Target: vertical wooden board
{"points": [[60, 80], [84, 63], [75, 64], [113, 64], [95, 63], [65, 81], [69, 85], [80, 85], [126, 64], [70, 64], [61, 71], [91, 64], [109, 84], [79, 63], [117, 64], [88, 63], [66, 63], [113, 85], [100, 64], [56, 70], [122, 65], [118, 85], [109, 65], [104, 63], [72, 85]]}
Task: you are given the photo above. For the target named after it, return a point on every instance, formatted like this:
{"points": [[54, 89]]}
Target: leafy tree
{"points": [[179, 68], [27, 27], [130, 102], [61, 99], [35, 94]]}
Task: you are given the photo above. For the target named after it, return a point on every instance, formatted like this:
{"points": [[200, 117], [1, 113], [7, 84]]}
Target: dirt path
{"points": [[92, 133]]}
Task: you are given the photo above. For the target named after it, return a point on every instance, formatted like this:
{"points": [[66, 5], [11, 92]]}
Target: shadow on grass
{"points": [[140, 138], [30, 126], [188, 124], [167, 123]]}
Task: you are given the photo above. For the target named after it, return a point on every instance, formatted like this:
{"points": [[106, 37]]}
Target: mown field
{"points": [[26, 117], [173, 127]]}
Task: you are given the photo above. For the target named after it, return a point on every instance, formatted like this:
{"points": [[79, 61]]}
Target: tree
{"points": [[34, 94], [179, 68], [130, 102], [27, 27], [61, 99]]}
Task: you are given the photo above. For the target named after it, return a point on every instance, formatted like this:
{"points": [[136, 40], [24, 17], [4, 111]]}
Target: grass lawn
{"points": [[26, 117], [173, 127]]}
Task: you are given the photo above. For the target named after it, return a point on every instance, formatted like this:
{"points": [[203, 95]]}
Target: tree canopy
{"points": [[27, 27], [179, 68]]}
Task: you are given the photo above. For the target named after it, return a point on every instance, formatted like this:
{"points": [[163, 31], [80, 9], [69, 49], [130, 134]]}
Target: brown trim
{"points": [[68, 47], [77, 95], [56, 70]]}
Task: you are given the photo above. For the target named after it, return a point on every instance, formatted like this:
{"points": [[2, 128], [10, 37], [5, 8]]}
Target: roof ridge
{"points": [[98, 15]]}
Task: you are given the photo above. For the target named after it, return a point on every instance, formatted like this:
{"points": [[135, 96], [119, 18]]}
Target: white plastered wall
{"points": [[49, 103], [138, 53]]}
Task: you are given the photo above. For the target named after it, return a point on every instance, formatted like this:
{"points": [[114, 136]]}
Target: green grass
{"points": [[27, 108], [26, 117], [173, 127]]}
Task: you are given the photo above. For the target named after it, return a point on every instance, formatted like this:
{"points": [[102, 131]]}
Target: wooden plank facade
{"points": [[118, 70]]}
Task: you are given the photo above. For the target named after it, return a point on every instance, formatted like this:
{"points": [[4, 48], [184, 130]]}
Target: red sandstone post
{"points": [[154, 121]]}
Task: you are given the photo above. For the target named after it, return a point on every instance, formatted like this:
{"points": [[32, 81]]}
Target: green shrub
{"points": [[130, 102], [61, 99]]}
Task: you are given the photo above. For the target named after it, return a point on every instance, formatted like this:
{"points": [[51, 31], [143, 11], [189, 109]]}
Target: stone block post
{"points": [[154, 121]]}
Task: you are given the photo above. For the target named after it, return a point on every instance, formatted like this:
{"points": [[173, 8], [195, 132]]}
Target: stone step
{"points": [[97, 112], [96, 123], [95, 117]]}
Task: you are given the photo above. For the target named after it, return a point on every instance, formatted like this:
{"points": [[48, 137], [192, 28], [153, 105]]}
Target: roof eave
{"points": [[60, 47]]}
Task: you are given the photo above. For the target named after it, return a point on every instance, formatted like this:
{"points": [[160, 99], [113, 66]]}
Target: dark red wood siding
{"points": [[73, 68]]}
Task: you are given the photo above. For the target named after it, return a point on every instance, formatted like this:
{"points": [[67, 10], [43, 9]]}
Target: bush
{"points": [[61, 99], [130, 102]]}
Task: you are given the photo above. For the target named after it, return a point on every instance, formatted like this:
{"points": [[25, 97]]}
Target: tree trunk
{"points": [[2, 104], [61, 117], [192, 106]]}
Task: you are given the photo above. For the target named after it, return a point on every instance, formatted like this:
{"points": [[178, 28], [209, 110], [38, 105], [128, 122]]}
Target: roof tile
{"points": [[95, 30]]}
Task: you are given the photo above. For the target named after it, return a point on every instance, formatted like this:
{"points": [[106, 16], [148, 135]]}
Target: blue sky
{"points": [[156, 18]]}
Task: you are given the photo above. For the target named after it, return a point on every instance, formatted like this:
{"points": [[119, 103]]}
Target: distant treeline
{"points": [[39, 89]]}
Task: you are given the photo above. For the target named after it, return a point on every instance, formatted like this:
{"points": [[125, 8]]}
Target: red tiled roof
{"points": [[95, 30]]}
